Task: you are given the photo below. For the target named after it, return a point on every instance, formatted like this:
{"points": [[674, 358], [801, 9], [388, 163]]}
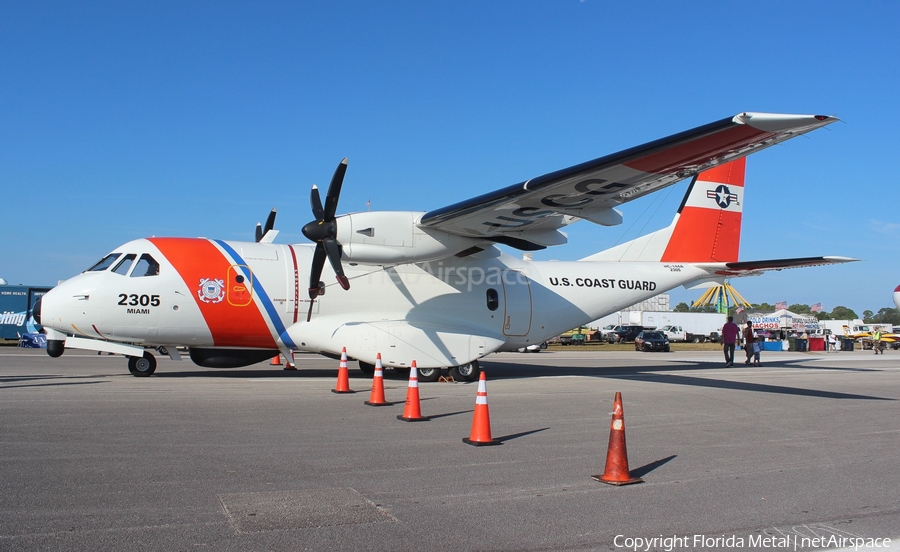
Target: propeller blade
{"points": [[334, 189], [333, 249], [315, 202], [270, 222], [259, 232], [315, 272], [323, 232]]}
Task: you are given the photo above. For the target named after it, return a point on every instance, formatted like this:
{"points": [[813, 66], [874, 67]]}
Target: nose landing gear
{"points": [[142, 366], [56, 347]]}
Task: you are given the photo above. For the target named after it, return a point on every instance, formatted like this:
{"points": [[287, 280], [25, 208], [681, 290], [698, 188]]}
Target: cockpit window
{"points": [[104, 263], [146, 266], [124, 264]]}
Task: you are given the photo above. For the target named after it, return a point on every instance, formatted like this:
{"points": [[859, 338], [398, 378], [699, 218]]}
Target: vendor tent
{"points": [[784, 319]]}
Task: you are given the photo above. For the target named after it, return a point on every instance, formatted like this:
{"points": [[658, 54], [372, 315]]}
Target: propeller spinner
{"points": [[323, 231]]}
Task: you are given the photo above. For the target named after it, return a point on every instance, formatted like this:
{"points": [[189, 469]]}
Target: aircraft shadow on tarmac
{"points": [[258, 373], [506, 370], [650, 373]]}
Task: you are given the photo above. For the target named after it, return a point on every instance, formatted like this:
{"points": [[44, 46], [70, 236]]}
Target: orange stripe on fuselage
{"points": [[231, 325]]}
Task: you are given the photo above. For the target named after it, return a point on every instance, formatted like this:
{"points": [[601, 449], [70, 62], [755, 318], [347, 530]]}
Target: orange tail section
{"points": [[708, 224]]}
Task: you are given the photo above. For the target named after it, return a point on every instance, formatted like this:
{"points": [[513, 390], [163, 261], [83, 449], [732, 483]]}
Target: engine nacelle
{"points": [[388, 237]]}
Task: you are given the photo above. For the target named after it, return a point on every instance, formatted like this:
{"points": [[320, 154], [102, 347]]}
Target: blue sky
{"points": [[128, 119]]}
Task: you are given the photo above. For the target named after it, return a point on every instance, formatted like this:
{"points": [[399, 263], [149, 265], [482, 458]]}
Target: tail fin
{"points": [[706, 228]]}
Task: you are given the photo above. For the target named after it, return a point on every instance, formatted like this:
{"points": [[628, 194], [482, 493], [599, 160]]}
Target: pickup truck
{"points": [[604, 331], [677, 333]]}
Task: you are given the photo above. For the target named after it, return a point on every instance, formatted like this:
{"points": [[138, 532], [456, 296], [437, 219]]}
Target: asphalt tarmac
{"points": [[801, 453]]}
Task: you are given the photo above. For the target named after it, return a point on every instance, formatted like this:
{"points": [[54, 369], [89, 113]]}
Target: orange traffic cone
{"points": [[616, 471], [377, 396], [276, 361], [481, 422], [343, 381], [412, 412]]}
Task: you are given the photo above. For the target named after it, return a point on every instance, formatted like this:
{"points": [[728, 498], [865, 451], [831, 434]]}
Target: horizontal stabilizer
{"points": [[753, 268]]}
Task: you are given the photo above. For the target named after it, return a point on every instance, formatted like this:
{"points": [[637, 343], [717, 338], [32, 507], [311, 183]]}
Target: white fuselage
{"points": [[210, 293]]}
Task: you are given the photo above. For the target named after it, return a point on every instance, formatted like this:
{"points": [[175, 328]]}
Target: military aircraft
{"points": [[430, 287]]}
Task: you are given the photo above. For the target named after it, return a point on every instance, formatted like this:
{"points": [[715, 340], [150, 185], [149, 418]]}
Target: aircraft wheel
{"points": [[429, 374], [142, 367], [366, 368], [466, 372], [56, 347]]}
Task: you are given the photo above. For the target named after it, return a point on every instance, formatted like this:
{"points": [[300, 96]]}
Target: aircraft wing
{"points": [[755, 268], [529, 215]]}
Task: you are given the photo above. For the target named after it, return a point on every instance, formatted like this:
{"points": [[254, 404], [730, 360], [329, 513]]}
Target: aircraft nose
{"points": [[36, 311]]}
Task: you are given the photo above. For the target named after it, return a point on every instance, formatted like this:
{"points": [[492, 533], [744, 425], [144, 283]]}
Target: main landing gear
{"points": [[466, 372]]}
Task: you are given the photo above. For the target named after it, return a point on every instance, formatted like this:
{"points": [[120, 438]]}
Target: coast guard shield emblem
{"points": [[211, 291]]}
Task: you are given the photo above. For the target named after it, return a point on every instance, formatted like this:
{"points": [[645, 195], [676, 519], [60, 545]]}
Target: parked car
{"points": [[651, 341], [624, 334]]}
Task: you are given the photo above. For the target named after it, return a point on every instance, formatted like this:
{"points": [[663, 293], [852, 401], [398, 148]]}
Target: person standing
{"points": [[749, 341], [730, 333], [876, 340]]}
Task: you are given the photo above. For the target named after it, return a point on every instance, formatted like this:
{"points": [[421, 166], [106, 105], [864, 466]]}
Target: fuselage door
{"points": [[516, 303], [239, 285]]}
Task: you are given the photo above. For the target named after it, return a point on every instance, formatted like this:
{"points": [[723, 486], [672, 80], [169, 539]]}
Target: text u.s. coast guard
{"points": [[609, 283]]}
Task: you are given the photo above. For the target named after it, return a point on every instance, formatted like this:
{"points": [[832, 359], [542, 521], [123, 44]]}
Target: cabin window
{"points": [[124, 264], [146, 266], [104, 263], [493, 299]]}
